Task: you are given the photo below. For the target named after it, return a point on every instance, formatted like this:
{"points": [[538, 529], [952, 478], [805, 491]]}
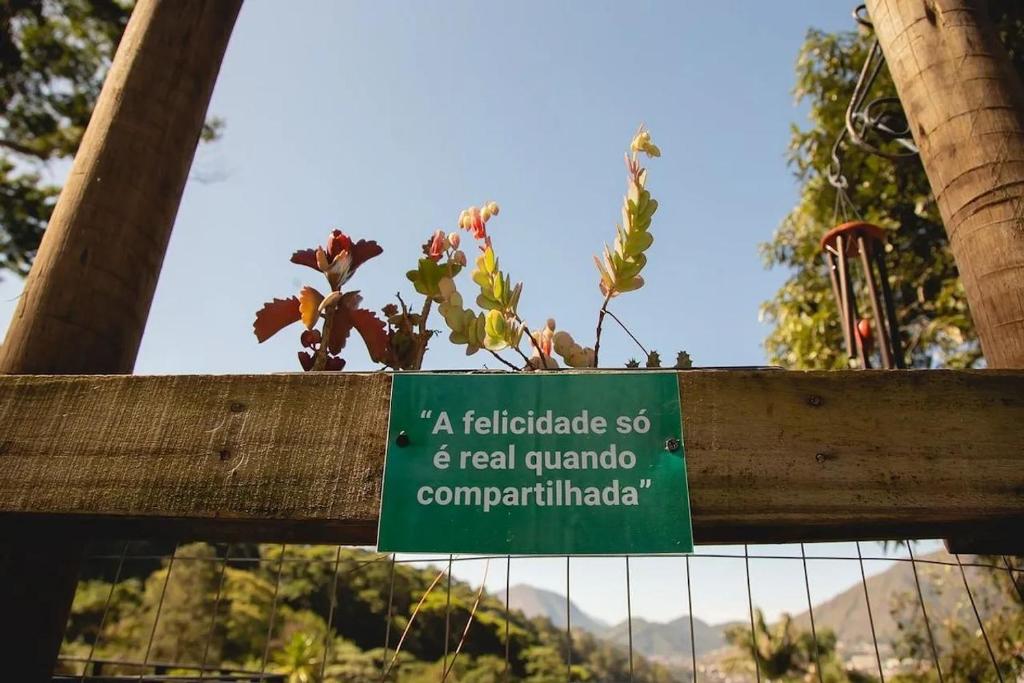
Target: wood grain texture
{"points": [[85, 302], [271, 449], [787, 456], [773, 456], [87, 297], [965, 105]]}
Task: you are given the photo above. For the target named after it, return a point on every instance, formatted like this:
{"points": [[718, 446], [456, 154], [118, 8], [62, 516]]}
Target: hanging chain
{"points": [[866, 120]]}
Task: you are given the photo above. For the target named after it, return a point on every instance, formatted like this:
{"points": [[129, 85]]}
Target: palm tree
{"points": [[299, 659], [783, 653]]}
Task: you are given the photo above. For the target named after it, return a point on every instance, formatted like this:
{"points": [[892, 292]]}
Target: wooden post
{"points": [[85, 302], [965, 106]]}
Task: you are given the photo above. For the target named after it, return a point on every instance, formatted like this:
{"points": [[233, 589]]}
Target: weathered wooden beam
{"points": [[773, 456], [85, 302]]}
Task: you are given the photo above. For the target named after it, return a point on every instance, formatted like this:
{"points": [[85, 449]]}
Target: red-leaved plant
{"points": [[339, 311]]}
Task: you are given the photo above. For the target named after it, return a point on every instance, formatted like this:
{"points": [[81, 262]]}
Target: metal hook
{"points": [[860, 15]]}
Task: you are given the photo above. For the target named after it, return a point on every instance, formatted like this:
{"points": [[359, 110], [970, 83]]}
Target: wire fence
{"points": [[895, 611]]}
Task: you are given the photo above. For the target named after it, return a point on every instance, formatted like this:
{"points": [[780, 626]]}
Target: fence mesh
{"points": [[892, 611]]}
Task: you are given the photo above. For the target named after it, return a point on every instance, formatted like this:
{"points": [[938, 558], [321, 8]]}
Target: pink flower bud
{"points": [[454, 240], [437, 245]]}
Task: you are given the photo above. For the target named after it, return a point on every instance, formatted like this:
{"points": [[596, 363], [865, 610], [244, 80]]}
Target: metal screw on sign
{"points": [[402, 440], [672, 445]]}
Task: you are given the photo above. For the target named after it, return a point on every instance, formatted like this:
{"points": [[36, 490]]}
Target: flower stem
{"points": [[320, 359], [424, 334], [536, 346], [522, 355], [600, 324], [495, 354], [627, 331]]}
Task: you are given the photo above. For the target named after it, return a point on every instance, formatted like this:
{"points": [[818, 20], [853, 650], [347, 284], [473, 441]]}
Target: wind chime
{"points": [[845, 245], [855, 250]]}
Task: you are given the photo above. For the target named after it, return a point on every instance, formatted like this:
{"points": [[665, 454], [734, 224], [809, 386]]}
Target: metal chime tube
{"points": [[893, 327], [833, 267], [844, 301], [876, 309]]}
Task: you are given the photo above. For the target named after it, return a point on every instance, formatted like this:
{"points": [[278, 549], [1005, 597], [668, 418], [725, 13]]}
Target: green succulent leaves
{"points": [[620, 267], [466, 326], [497, 328], [428, 276]]}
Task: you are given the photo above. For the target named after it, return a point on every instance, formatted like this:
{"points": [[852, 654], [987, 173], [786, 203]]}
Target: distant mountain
{"points": [[660, 641], [944, 597], [668, 641], [537, 602], [845, 614]]}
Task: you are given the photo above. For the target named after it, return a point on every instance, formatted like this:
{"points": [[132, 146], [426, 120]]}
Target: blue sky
{"points": [[386, 119]]}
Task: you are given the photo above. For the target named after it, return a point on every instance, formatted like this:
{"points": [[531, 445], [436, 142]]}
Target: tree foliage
{"points": [[307, 609], [930, 301], [54, 55], [782, 653], [963, 654]]}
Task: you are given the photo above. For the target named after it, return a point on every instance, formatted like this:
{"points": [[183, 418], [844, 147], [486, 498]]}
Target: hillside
{"points": [[668, 641], [846, 614], [537, 602], [322, 609], [663, 641]]}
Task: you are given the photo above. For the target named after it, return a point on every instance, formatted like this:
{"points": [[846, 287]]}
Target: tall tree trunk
{"points": [[86, 300], [965, 105]]}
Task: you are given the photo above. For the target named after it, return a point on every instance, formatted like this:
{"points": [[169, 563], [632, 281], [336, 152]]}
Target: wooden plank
{"points": [[773, 456]]}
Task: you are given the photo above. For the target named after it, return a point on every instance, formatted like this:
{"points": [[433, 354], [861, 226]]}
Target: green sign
{"points": [[535, 464]]}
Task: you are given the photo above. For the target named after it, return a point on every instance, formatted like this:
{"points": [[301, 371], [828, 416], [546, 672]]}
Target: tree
{"points": [[54, 55], [299, 659], [964, 104], [219, 613], [931, 304], [962, 650], [782, 653]]}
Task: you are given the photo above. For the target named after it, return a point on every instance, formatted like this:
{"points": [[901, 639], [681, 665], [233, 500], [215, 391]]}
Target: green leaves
{"points": [[427, 277], [930, 303], [495, 330], [53, 60], [620, 266], [498, 328], [466, 327]]}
